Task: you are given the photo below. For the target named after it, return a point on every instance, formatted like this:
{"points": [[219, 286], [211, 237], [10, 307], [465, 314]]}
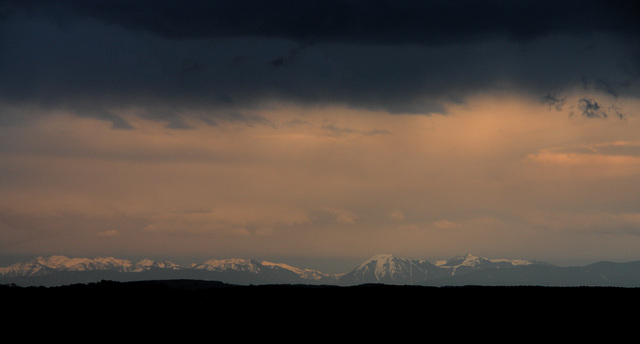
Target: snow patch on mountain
{"points": [[469, 261], [304, 273], [147, 264], [236, 264]]}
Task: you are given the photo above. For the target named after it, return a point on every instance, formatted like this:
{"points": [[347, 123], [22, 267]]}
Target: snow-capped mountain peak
{"points": [[387, 268], [383, 264]]}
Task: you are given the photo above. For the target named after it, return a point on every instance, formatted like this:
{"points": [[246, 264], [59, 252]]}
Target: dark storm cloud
{"points": [[590, 108], [116, 121], [356, 21], [401, 56], [553, 101], [613, 88]]}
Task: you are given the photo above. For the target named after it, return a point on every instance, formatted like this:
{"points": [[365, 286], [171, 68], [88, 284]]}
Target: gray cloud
{"points": [[553, 101], [338, 131], [590, 108], [228, 56], [117, 122]]}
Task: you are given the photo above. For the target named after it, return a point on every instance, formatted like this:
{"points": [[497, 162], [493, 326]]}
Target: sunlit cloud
{"points": [[397, 215], [444, 224], [109, 233]]}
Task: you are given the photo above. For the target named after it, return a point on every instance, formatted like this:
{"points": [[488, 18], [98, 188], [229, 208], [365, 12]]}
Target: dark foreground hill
{"points": [[183, 310], [218, 295]]}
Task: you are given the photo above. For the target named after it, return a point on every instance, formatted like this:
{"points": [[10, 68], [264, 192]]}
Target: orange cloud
{"points": [[314, 179]]}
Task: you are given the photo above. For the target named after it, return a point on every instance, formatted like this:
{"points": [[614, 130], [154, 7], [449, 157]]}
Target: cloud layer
{"points": [[166, 58]]}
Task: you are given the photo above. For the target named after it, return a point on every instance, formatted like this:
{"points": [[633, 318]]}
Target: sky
{"points": [[320, 133]]}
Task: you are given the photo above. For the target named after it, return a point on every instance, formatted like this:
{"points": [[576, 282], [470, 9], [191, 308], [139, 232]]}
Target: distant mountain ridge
{"points": [[390, 269], [58, 269], [381, 268]]}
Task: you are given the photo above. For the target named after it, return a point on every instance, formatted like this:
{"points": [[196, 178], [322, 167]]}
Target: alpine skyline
{"points": [[320, 133]]}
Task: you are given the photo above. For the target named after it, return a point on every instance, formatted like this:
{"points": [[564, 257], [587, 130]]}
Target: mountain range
{"points": [[379, 269]]}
